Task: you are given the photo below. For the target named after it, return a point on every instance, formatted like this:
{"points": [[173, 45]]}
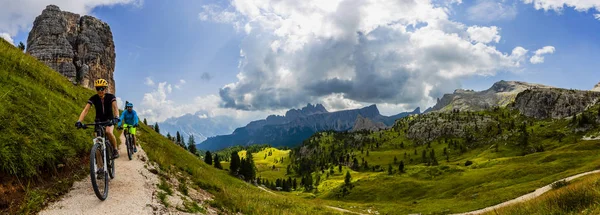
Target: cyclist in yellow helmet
{"points": [[106, 109]]}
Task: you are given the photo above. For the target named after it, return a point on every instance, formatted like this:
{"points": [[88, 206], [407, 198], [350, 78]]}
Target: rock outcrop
{"points": [[79, 47], [554, 103], [500, 94], [597, 87], [362, 124]]}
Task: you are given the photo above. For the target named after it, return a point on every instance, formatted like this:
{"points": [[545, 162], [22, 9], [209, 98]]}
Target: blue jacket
{"points": [[129, 118]]}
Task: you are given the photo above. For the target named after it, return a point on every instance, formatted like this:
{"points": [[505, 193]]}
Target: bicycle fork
{"points": [[104, 157]]}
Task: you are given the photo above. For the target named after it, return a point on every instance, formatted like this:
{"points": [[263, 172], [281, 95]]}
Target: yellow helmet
{"points": [[100, 83]]}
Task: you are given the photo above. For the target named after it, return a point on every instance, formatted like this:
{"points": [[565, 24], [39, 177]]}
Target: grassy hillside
{"points": [[510, 154], [230, 193], [581, 196], [41, 152]]}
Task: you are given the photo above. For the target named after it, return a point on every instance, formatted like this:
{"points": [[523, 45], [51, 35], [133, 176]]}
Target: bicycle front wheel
{"points": [[129, 146], [110, 160], [98, 174]]}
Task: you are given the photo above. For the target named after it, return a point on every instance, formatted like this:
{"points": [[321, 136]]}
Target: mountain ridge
{"points": [[297, 125]]}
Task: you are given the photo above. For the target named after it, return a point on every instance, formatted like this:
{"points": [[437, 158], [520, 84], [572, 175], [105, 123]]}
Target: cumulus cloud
{"points": [[558, 5], [7, 37], [156, 106], [181, 83], [16, 16], [484, 34], [120, 102], [149, 81], [488, 11], [385, 52], [538, 57]]}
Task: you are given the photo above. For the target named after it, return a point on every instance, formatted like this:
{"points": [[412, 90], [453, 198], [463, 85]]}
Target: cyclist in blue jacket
{"points": [[129, 117]]}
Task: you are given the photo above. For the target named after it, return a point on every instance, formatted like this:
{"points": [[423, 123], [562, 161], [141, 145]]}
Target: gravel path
{"points": [[526, 197], [130, 192]]}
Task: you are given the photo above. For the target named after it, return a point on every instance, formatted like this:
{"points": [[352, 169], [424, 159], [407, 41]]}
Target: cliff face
{"points": [[80, 48], [500, 94], [554, 103]]}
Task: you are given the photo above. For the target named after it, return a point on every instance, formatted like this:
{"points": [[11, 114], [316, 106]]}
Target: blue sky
{"points": [[200, 42]]}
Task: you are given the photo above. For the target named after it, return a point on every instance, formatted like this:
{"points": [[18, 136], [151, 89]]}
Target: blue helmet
{"points": [[129, 104]]}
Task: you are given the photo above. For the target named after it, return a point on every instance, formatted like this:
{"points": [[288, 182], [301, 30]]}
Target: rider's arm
{"points": [[84, 112], [135, 118], [122, 118], [115, 108]]}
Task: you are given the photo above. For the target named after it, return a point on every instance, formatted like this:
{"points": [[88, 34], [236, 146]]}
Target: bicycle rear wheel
{"points": [[129, 146], [98, 174], [110, 160]]}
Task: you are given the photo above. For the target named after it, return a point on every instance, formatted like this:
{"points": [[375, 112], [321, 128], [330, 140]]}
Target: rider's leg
{"points": [[111, 138]]}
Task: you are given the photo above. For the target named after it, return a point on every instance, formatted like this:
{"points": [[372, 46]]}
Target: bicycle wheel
{"points": [[129, 146], [110, 160], [98, 174]]}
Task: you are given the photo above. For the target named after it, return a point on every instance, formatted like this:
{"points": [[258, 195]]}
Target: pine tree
{"points": [[347, 179], [156, 128], [217, 162], [235, 163], [168, 135], [192, 145], [424, 156], [390, 170], [251, 174], [295, 184], [208, 158], [401, 167], [178, 140], [395, 160], [182, 144], [355, 165], [340, 168], [21, 46], [432, 158], [145, 122]]}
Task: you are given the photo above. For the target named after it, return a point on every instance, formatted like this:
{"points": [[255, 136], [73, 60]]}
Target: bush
{"points": [[559, 184], [468, 163]]}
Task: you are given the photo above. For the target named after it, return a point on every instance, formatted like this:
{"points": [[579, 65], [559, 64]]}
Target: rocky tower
{"points": [[80, 48]]}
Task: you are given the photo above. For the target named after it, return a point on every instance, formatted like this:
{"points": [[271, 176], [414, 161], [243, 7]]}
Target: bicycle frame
{"points": [[101, 139]]}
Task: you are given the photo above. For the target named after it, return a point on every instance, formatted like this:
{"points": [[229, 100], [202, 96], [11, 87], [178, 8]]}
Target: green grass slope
{"points": [[40, 150], [231, 194], [581, 196], [504, 165]]}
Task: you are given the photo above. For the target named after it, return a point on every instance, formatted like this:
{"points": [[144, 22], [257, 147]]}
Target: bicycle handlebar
{"points": [[106, 123]]}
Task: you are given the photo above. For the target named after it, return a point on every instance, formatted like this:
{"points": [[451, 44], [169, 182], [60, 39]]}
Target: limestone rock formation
{"points": [[362, 123], [500, 94], [79, 47], [597, 87], [554, 103]]}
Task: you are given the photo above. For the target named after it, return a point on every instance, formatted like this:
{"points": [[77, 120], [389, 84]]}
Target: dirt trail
{"points": [[526, 197], [130, 192]]}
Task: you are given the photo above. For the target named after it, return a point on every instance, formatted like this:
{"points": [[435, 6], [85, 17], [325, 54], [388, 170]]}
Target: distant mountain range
{"points": [[297, 125], [200, 125]]}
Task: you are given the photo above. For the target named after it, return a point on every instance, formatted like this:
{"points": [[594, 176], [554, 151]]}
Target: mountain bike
{"points": [[128, 140], [102, 164]]}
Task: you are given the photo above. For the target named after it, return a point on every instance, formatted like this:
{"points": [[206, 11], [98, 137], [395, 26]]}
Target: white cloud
{"points": [[120, 102], [538, 57], [157, 107], [558, 5], [16, 16], [181, 81], [180, 84], [149, 81], [484, 34], [371, 51], [489, 10], [7, 37], [597, 16]]}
